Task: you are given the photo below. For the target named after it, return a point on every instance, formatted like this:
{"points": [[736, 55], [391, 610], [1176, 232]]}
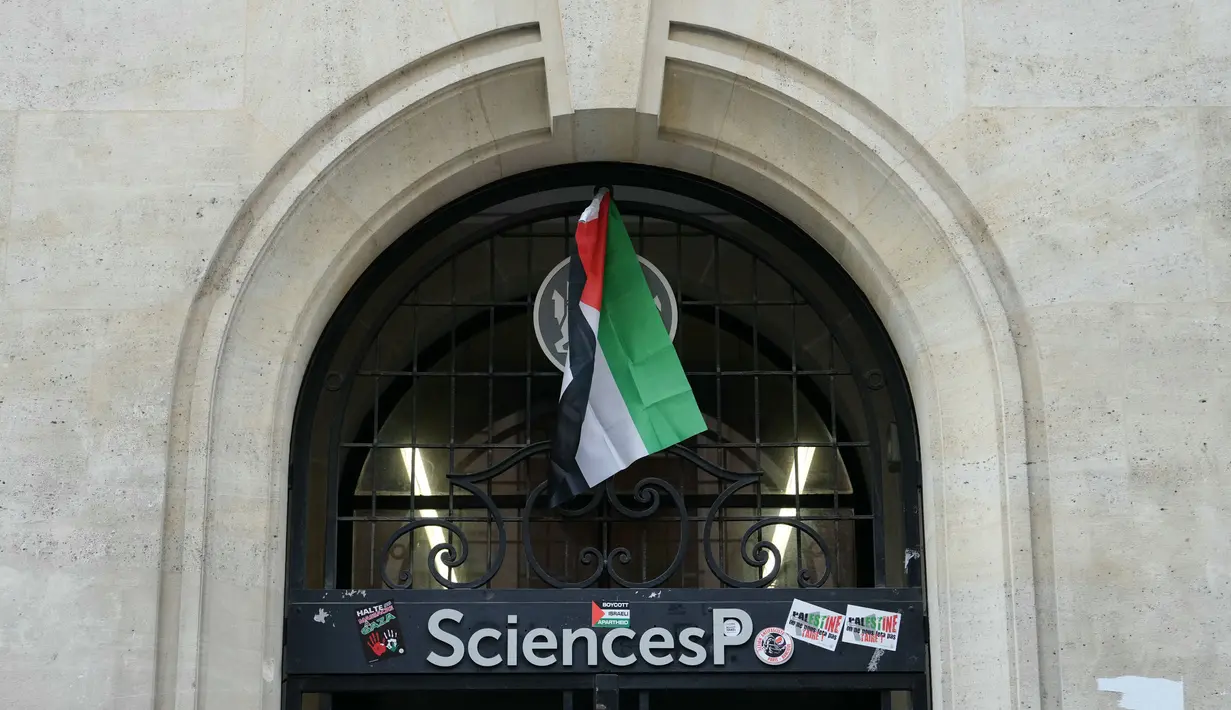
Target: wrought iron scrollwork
{"points": [[650, 497], [648, 491], [454, 556], [762, 552], [445, 553], [588, 556]]}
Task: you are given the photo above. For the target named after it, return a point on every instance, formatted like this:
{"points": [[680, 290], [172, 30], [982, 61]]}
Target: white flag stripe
{"points": [[591, 210], [609, 439]]}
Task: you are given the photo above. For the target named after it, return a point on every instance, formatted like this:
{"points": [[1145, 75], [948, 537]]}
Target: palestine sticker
{"points": [[773, 646], [380, 631], [872, 627], [610, 615], [815, 624]]}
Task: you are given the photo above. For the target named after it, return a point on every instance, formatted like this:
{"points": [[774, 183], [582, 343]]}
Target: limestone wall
{"points": [[1036, 196]]}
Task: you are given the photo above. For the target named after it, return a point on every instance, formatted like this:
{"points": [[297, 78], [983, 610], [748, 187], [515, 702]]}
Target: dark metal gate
{"points": [[420, 458]]}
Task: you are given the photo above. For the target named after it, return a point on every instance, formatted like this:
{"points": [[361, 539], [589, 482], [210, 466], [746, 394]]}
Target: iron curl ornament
{"points": [[454, 556], [651, 498], [648, 492]]}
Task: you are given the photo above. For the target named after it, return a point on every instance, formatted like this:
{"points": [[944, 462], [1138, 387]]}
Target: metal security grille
{"points": [[422, 434]]}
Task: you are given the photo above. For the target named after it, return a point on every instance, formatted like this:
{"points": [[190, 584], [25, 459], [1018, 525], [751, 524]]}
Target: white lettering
{"points": [[571, 635], [531, 645], [721, 640], [609, 652], [512, 640], [453, 642], [656, 639], [688, 644], [472, 646], [544, 647]]}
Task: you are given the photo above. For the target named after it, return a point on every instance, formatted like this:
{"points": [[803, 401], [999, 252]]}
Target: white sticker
{"points": [[730, 627], [773, 646], [871, 627], [815, 624]]}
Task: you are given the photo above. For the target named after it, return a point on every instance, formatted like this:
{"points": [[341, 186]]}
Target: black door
{"points": [[421, 439]]}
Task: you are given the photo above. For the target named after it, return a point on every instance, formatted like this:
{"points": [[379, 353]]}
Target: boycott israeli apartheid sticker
{"points": [[610, 615], [871, 627], [814, 624]]}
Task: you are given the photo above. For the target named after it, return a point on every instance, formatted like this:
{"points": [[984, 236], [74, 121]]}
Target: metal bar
{"points": [[581, 682], [679, 283], [797, 534], [606, 692], [756, 408], [523, 470], [919, 693], [556, 373], [491, 382], [308, 601], [569, 243], [297, 518], [697, 446], [876, 474], [477, 447], [609, 518], [292, 694], [377, 683], [374, 473], [690, 302], [414, 435], [722, 459], [431, 561], [771, 681], [332, 476], [836, 454], [679, 345]]}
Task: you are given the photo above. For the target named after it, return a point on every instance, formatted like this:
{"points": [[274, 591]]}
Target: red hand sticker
{"points": [[374, 643]]}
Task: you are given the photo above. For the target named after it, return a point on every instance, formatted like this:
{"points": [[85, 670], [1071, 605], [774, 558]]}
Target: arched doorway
{"points": [[420, 454]]}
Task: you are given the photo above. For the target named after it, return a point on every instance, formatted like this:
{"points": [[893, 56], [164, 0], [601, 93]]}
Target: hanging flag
{"points": [[624, 395]]}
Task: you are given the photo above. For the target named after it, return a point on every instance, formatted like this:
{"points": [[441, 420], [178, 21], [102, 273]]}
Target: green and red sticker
{"points": [[380, 631], [872, 627], [610, 615]]}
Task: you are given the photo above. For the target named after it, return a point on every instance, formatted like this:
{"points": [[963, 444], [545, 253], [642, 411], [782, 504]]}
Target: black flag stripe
{"points": [[566, 481]]}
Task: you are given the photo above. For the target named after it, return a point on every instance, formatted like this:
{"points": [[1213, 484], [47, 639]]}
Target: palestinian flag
{"points": [[624, 394]]}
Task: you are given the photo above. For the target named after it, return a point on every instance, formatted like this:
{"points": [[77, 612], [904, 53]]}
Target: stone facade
{"points": [[1035, 196]]}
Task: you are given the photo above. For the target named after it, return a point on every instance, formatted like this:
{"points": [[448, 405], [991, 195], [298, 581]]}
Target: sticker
{"points": [[815, 625], [872, 627], [610, 615], [380, 631], [731, 627], [773, 646]]}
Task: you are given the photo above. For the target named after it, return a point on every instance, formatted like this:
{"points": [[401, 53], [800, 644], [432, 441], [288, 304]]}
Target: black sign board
{"points": [[588, 631]]}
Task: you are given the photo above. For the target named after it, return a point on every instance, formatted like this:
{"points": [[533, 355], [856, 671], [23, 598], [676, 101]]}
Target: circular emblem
{"points": [[551, 308], [773, 646]]}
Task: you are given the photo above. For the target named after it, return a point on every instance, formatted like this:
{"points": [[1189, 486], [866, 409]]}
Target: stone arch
{"points": [[502, 103]]}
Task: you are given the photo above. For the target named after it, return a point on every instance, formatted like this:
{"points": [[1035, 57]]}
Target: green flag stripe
{"points": [[638, 349]]}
